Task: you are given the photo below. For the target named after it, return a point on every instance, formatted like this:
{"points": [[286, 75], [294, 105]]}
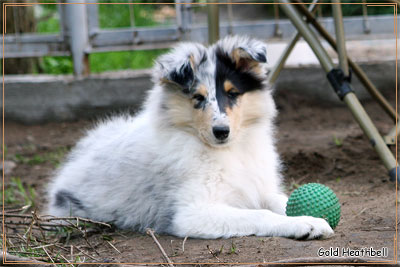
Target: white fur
{"points": [[142, 171]]}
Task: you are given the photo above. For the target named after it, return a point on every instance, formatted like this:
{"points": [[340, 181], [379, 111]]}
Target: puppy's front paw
{"points": [[306, 228]]}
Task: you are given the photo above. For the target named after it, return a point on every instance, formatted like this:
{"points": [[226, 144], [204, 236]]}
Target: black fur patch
{"points": [[183, 76], [200, 105], [261, 58], [243, 80], [203, 59], [63, 198], [200, 102]]}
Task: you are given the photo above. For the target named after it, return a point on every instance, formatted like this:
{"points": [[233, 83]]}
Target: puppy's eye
{"points": [[233, 94], [199, 98]]}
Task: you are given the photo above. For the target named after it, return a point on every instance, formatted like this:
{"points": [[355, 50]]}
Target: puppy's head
{"points": [[216, 92]]}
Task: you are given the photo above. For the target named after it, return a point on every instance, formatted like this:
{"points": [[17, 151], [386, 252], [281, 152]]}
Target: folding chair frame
{"points": [[339, 77]]}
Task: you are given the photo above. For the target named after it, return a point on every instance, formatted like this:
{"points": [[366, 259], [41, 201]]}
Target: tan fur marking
{"points": [[255, 68], [228, 86], [191, 59], [255, 108], [235, 116], [236, 56], [202, 90], [243, 60]]}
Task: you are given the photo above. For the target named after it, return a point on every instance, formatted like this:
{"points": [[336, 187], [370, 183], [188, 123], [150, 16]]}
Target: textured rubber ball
{"points": [[315, 200]]}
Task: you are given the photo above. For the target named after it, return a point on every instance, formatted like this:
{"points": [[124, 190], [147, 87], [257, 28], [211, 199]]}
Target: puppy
{"points": [[198, 160]]}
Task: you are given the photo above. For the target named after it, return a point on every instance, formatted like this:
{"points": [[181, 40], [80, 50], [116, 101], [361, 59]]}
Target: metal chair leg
{"points": [[343, 88], [274, 74], [213, 23], [357, 70]]}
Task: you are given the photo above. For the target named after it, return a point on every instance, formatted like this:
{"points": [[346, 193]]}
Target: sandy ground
{"points": [[306, 136]]}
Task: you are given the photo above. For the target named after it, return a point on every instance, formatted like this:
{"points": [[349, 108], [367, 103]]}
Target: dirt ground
{"points": [[317, 142]]}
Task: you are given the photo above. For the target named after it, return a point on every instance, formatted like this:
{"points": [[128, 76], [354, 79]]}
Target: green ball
{"points": [[315, 200]]}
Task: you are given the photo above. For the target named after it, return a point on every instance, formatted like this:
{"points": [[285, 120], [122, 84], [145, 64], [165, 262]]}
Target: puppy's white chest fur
{"points": [[242, 175]]}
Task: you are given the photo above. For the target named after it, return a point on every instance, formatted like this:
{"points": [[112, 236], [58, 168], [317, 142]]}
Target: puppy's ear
{"points": [[178, 75], [176, 70], [249, 54], [183, 76]]}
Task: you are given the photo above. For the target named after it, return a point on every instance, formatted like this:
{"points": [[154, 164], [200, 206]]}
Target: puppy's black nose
{"points": [[221, 132]]}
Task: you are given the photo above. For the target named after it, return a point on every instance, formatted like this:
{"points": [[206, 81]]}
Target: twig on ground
{"points": [[21, 237], [113, 247], [213, 253], [48, 218], [28, 233], [84, 253], [17, 210], [183, 243], [7, 258], [24, 261], [51, 218], [30, 222], [43, 246], [16, 215], [84, 235], [48, 255], [37, 222], [27, 253], [60, 247], [66, 260], [150, 232], [361, 212]]}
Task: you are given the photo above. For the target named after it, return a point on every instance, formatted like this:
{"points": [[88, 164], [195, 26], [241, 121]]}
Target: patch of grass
{"points": [[107, 237], [47, 19], [50, 25], [18, 194], [54, 157], [48, 243], [36, 249], [100, 62], [78, 259], [123, 60], [233, 249], [57, 65], [338, 141], [9, 196], [110, 16], [118, 16], [27, 251], [36, 160], [20, 158]]}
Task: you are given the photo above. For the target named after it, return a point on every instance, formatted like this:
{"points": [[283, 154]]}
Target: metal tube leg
{"points": [[274, 74], [343, 89], [369, 129], [390, 138], [340, 39], [213, 23], [357, 70], [307, 34]]}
